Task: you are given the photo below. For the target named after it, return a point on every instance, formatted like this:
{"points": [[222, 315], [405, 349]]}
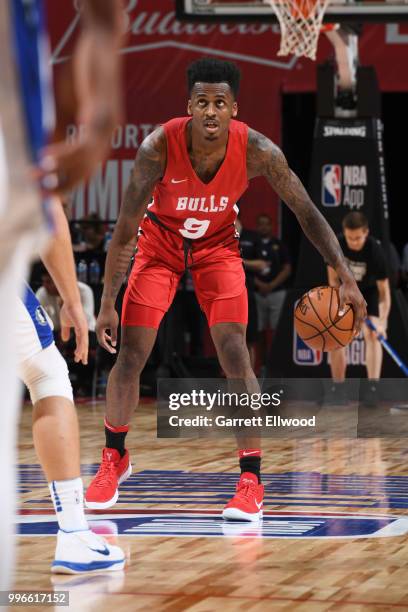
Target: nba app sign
{"points": [[303, 355], [344, 185]]}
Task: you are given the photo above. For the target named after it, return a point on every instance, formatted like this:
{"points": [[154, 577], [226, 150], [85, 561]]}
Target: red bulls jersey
{"points": [[186, 205]]}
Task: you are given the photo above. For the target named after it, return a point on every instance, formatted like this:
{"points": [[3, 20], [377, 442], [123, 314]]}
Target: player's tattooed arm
{"points": [[149, 167], [264, 158]]}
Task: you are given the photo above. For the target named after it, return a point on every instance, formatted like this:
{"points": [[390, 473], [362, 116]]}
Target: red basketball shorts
{"points": [[216, 269]]}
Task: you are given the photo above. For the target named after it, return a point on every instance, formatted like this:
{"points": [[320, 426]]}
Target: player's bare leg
{"points": [[233, 355], [122, 395], [374, 356], [336, 395], [56, 438], [252, 355], [122, 398], [374, 351], [338, 365], [232, 351]]}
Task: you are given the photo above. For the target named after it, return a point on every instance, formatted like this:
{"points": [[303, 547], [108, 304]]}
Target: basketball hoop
{"points": [[300, 23]]}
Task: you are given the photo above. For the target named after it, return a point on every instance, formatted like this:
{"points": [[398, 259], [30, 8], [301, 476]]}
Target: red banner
{"points": [[156, 52]]}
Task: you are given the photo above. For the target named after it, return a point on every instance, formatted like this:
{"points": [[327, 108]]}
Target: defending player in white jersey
{"points": [[26, 117], [55, 425]]}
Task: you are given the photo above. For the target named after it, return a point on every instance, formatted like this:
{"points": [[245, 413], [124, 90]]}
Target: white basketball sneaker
{"points": [[84, 551]]}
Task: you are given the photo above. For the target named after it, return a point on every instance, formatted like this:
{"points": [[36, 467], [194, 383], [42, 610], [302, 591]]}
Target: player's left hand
{"points": [[72, 315], [349, 293]]}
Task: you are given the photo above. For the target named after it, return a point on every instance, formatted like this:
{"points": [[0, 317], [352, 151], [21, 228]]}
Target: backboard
{"points": [[260, 10]]}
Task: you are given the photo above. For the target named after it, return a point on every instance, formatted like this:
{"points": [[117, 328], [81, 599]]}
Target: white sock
{"points": [[68, 499]]}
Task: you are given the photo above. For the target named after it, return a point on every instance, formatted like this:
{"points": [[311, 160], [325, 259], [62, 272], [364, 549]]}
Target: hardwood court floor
{"points": [[312, 486]]}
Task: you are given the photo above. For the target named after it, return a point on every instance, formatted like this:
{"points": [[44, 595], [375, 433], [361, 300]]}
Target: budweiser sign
{"points": [[152, 24]]}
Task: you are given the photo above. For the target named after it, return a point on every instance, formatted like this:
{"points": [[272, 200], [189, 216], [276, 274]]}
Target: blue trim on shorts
{"points": [[38, 317]]}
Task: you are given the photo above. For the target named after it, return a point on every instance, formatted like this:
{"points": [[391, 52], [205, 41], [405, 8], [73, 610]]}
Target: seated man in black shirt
{"points": [[367, 262]]}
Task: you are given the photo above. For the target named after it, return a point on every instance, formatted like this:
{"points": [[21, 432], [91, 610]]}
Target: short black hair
{"points": [[355, 220], [211, 70]]}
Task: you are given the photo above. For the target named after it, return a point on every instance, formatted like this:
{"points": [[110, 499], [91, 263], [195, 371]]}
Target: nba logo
{"points": [[303, 355], [331, 185]]}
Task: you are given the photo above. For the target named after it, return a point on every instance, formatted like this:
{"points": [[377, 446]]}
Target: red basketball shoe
{"points": [[247, 503], [103, 491]]}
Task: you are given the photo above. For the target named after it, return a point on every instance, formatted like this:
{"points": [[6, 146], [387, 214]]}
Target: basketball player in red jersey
{"points": [[187, 177]]}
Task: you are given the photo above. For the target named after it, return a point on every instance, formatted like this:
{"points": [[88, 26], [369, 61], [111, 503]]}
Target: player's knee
{"points": [[338, 355], [234, 355], [131, 360], [46, 375]]}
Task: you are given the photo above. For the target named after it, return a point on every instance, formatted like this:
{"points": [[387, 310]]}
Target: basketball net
{"points": [[300, 23]]}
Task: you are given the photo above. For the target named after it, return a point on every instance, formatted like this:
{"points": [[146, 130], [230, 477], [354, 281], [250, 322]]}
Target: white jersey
{"points": [[25, 117]]}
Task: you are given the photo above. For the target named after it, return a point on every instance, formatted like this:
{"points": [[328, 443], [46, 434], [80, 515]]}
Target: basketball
{"points": [[318, 322]]}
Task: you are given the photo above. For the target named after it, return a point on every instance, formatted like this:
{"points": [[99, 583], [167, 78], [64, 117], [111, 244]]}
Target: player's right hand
{"points": [[107, 328], [349, 293]]}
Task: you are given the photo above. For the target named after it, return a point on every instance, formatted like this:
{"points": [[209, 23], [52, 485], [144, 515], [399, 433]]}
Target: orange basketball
{"points": [[318, 322]]}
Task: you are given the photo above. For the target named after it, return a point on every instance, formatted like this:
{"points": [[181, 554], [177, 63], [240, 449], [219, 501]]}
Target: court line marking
{"points": [[142, 511], [398, 526]]}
